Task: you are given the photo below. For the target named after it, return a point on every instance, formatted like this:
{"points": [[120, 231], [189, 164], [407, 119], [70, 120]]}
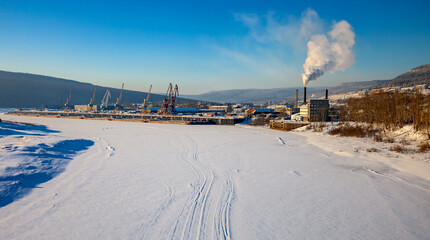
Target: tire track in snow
{"points": [[190, 220], [222, 223], [205, 213], [151, 221]]}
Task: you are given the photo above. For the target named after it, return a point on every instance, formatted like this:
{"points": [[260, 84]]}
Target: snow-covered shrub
{"points": [[348, 130], [424, 147], [397, 148]]}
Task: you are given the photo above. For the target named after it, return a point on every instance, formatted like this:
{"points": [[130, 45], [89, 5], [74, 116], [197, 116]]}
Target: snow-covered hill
{"points": [[126, 180]]}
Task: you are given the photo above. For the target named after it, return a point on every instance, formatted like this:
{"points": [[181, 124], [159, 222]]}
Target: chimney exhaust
{"points": [[326, 94], [304, 96]]}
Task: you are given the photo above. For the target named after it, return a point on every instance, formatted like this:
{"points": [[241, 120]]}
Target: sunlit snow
{"points": [[128, 180]]}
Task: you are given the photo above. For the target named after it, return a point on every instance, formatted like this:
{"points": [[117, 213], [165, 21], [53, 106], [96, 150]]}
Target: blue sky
{"points": [[206, 45]]}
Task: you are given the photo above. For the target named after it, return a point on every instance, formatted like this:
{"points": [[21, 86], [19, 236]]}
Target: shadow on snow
{"points": [[41, 164], [7, 128]]}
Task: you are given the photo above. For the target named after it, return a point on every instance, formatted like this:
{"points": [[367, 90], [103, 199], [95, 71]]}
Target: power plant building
{"points": [[318, 110], [304, 112], [315, 110]]}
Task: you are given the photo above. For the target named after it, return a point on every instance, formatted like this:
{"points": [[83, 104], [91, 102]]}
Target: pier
{"points": [[191, 119]]}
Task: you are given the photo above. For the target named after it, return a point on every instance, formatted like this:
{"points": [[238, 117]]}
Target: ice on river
{"points": [[125, 180]]}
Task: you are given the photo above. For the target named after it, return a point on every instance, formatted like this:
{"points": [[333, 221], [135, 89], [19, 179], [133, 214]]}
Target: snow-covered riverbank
{"points": [[124, 180]]}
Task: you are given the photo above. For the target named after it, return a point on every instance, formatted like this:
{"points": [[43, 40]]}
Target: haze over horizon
{"points": [[207, 46]]}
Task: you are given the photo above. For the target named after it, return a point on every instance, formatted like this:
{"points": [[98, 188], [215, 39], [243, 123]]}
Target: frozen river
{"points": [[87, 179]]}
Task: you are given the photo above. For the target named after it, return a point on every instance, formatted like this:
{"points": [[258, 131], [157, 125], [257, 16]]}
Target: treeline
{"points": [[392, 110]]}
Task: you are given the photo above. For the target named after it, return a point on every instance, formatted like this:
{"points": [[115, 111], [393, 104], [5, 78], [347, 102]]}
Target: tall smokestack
{"points": [[326, 94], [297, 97], [304, 95]]}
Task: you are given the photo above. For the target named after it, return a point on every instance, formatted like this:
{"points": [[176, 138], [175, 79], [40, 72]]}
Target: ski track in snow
{"points": [[387, 174], [270, 134], [195, 197], [153, 217], [205, 213], [222, 226]]}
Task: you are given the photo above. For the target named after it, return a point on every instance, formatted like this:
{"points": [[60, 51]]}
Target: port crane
{"points": [[67, 105], [90, 106], [173, 99], [170, 100], [166, 100], [105, 99], [118, 100], [145, 102]]}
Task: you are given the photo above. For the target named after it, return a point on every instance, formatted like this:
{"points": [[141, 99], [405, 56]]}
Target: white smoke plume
{"points": [[329, 54]]}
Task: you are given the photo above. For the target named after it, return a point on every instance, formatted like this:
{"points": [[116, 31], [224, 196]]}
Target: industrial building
{"points": [[284, 110], [286, 125], [304, 112], [219, 107], [422, 87], [257, 111], [315, 110], [318, 110], [190, 111], [89, 108]]}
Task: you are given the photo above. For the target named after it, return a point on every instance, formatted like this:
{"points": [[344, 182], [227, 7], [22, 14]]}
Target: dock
{"points": [[191, 119]]}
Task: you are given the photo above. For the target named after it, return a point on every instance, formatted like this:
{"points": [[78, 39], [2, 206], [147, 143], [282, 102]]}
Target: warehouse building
{"points": [[219, 107], [86, 108]]}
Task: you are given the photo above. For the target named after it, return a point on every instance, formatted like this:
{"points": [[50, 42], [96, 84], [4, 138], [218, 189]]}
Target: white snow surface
{"points": [[128, 180]]}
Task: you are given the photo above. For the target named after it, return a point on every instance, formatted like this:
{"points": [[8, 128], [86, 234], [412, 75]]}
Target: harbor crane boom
{"points": [[92, 99], [145, 101], [90, 106], [105, 99], [167, 98], [67, 105], [173, 99], [118, 100], [170, 100]]}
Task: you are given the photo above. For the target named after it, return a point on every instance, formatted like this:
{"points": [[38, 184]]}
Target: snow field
{"points": [[156, 181]]}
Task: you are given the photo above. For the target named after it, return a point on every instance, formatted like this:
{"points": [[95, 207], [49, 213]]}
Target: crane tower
{"points": [[145, 102], [105, 99]]}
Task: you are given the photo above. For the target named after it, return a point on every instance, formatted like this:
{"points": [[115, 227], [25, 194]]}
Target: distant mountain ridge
{"points": [[355, 86], [279, 95], [415, 76], [32, 90], [249, 95]]}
